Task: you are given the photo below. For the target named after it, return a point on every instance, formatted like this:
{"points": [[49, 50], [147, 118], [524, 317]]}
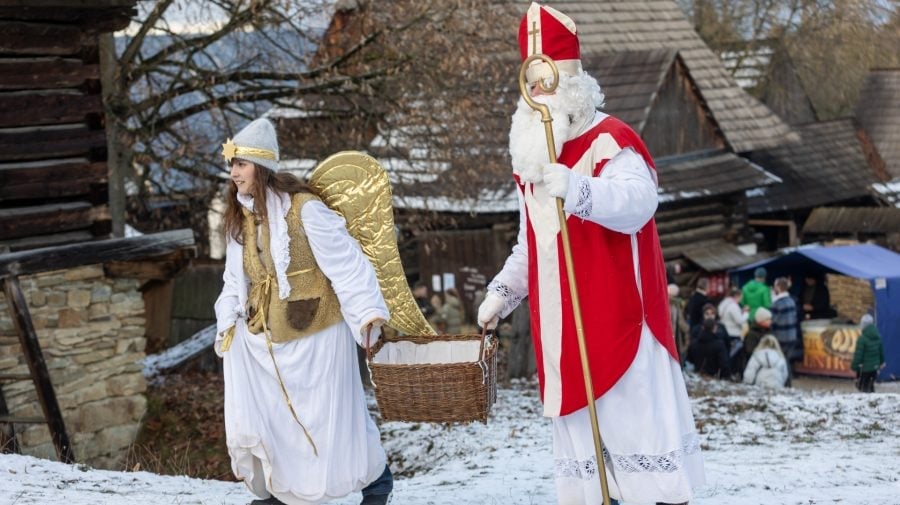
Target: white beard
{"points": [[528, 140], [571, 107]]}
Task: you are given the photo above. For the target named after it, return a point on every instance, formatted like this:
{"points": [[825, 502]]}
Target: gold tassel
{"points": [[227, 337]]}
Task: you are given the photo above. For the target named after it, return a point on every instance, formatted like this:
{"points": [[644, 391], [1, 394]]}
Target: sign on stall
{"points": [[828, 348]]}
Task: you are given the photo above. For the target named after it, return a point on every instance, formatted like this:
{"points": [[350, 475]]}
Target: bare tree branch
{"points": [[134, 46]]}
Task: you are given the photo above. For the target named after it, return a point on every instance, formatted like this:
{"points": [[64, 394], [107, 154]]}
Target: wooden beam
{"points": [[50, 179], [8, 441], [53, 239], [44, 219], [39, 39], [82, 5], [99, 251], [161, 268], [675, 210], [693, 235], [91, 15], [50, 107], [18, 309], [43, 142], [45, 73], [679, 225]]}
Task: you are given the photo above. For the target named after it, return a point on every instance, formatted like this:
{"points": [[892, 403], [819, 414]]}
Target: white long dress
{"points": [[268, 449], [645, 419]]}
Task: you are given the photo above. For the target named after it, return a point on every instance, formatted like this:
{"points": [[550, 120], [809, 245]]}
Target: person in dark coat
{"points": [[420, 293], [708, 350], [784, 322], [816, 299], [760, 327], [679, 325], [868, 358], [695, 304]]}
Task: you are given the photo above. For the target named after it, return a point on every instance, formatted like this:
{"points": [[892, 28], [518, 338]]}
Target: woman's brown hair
{"points": [[264, 178]]}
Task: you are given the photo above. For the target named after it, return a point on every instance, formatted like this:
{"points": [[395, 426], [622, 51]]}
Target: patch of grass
{"points": [[183, 432], [876, 426], [859, 435]]}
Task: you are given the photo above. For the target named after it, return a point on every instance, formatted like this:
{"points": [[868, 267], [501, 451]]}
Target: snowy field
{"points": [[799, 447]]}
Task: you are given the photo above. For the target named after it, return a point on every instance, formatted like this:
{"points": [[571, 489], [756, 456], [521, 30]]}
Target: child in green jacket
{"points": [[868, 358]]}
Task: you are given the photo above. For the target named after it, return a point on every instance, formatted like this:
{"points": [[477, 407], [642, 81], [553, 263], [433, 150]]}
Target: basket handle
{"points": [[483, 339], [368, 344]]}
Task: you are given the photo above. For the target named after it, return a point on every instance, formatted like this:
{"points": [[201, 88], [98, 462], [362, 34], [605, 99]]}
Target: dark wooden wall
{"points": [[687, 224], [678, 122], [53, 170], [472, 256], [784, 92]]}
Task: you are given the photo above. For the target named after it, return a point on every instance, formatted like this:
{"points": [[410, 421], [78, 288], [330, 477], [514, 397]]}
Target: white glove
{"points": [[489, 310], [531, 172], [556, 179], [376, 325]]}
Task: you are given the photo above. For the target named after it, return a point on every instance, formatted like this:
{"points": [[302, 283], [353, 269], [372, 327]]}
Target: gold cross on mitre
{"points": [[534, 33]]}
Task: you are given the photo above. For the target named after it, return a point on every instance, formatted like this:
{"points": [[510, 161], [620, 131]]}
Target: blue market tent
{"points": [[877, 265]]}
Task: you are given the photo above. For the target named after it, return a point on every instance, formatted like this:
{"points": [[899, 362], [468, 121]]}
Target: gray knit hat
{"points": [[866, 320], [257, 142]]}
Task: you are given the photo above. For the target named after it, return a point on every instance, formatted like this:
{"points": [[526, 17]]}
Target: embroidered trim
{"points": [[281, 252], [585, 203], [574, 469], [279, 240], [512, 298], [669, 462]]}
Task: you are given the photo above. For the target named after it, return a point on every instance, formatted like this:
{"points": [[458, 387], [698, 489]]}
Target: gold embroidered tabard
{"points": [[312, 305]]}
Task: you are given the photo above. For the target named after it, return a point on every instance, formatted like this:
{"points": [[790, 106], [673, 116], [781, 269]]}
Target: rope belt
{"points": [[260, 297]]}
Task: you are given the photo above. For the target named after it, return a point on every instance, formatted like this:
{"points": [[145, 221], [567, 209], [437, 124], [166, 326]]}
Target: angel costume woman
{"points": [[299, 295]]}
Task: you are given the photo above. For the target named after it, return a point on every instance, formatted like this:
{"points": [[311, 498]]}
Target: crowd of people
{"points": [[444, 313], [754, 334]]}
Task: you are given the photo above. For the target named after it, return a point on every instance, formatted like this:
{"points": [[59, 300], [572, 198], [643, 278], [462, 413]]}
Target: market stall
{"points": [[829, 344]]}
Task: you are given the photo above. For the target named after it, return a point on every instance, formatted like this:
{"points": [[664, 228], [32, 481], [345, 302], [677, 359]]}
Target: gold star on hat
{"points": [[228, 150]]}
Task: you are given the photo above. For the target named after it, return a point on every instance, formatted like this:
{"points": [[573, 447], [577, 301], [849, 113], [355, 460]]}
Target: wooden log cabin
{"points": [[53, 156], [85, 299], [834, 165]]}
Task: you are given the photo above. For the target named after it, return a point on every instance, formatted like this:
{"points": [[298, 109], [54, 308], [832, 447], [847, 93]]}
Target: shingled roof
{"points": [[878, 111], [852, 220], [612, 26], [705, 174], [827, 167], [630, 81]]}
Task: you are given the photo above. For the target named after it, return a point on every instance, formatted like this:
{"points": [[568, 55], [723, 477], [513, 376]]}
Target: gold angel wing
{"points": [[356, 186]]}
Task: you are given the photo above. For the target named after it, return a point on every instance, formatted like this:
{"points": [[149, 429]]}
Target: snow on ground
{"points": [[795, 447]]}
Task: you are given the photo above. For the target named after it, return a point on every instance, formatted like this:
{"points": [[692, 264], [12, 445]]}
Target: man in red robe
{"points": [[608, 182]]}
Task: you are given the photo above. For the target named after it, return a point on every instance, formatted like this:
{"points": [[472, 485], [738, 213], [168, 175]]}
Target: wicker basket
{"points": [[410, 387]]}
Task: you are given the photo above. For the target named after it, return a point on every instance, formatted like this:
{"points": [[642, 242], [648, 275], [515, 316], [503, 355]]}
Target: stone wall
{"points": [[91, 330]]}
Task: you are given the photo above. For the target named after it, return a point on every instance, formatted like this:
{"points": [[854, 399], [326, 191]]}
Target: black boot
{"points": [[375, 499], [378, 492], [268, 501]]}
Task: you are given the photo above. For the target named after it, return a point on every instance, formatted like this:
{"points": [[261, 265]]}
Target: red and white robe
{"points": [[644, 414]]}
